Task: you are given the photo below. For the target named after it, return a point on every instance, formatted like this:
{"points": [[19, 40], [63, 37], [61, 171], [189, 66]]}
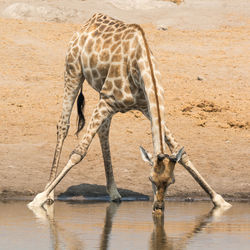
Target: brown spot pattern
{"points": [[129, 101], [117, 37], [75, 50], [93, 60], [116, 58], [87, 74], [114, 46], [85, 61], [115, 71], [107, 35], [104, 56], [98, 45], [89, 46], [118, 83], [82, 40], [70, 58], [108, 85], [95, 73], [125, 47], [129, 36], [103, 69], [107, 43], [118, 94], [102, 27]]}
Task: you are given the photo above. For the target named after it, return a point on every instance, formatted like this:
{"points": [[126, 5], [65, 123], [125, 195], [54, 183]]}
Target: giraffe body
{"points": [[116, 61], [112, 57]]}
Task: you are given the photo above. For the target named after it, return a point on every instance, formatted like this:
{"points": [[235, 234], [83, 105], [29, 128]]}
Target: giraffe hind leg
{"points": [[104, 141], [71, 89], [102, 112]]}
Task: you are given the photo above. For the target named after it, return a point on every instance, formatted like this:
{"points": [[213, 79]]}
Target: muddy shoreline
{"points": [[184, 197]]}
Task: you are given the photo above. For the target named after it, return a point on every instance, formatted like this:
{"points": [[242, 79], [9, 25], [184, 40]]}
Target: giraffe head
{"points": [[161, 175]]}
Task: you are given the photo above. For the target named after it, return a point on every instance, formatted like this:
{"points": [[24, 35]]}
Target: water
{"points": [[130, 225]]}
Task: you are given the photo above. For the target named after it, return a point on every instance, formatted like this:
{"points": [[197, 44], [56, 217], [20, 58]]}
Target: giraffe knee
{"points": [[76, 157]]}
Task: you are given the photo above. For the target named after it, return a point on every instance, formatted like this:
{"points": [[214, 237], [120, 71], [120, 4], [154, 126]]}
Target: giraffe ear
{"points": [[174, 158], [146, 156]]}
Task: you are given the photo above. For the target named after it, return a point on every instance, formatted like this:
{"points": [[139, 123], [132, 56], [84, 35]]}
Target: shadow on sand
{"points": [[98, 192]]}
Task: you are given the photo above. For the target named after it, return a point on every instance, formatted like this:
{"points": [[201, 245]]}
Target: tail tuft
{"points": [[80, 108]]}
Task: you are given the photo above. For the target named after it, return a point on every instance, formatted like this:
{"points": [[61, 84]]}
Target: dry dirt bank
{"points": [[210, 117]]}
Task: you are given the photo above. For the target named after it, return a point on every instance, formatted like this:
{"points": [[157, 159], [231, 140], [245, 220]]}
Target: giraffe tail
{"points": [[80, 108]]}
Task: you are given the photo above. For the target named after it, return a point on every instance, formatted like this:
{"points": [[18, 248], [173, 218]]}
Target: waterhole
{"points": [[129, 225]]}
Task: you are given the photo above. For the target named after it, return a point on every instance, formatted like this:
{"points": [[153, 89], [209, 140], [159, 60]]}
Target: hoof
{"points": [[114, 194], [116, 200], [38, 201], [116, 197], [220, 202]]}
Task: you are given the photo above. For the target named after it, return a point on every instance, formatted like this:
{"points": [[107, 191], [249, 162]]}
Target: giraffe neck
{"points": [[155, 99]]}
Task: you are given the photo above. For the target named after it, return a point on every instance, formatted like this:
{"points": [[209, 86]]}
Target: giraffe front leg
{"points": [[217, 199], [42, 197], [101, 113], [104, 141]]}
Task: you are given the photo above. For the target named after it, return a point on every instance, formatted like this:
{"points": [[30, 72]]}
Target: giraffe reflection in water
{"points": [[47, 216], [159, 240]]}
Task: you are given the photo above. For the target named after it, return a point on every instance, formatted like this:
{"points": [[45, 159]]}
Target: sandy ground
{"points": [[208, 40]]}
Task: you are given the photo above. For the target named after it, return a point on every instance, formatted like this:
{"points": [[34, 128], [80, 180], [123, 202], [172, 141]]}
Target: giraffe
{"points": [[115, 59]]}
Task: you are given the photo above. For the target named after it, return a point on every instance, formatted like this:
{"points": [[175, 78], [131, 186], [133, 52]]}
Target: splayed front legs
{"points": [[217, 199]]}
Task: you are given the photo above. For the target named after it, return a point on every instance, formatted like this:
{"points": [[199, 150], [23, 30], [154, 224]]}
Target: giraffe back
{"points": [[113, 58]]}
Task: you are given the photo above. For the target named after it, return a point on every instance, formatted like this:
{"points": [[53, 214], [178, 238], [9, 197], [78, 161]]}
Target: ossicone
{"points": [[174, 157]]}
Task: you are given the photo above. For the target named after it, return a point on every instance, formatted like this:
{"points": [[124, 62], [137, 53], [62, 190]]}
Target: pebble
{"points": [[162, 27]]}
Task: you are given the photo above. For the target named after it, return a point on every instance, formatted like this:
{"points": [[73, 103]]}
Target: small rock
{"points": [[162, 27], [199, 78], [30, 192], [11, 166], [202, 124], [187, 109]]}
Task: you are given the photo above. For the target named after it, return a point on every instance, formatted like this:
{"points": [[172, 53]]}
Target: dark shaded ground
{"points": [[88, 191]]}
